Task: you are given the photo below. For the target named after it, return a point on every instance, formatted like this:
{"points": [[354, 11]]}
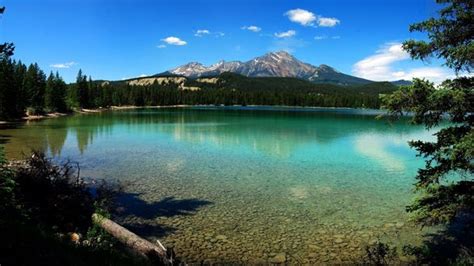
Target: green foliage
{"points": [[450, 35], [26, 89], [82, 90], [42, 204], [441, 198], [8, 94], [379, 253], [35, 84], [12, 94], [446, 183], [234, 89], [6, 50], [55, 98], [53, 195]]}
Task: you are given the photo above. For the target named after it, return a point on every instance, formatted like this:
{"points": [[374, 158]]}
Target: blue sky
{"points": [[124, 38]]}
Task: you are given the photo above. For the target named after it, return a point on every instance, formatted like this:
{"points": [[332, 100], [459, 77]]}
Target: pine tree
{"points": [[35, 84], [7, 90], [20, 72], [82, 90], [60, 94], [55, 97], [442, 198], [48, 97]]}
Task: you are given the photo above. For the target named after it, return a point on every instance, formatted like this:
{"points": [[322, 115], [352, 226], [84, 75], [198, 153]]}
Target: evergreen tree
{"points": [[82, 89], [35, 84], [21, 100], [446, 182], [8, 93], [55, 98], [48, 97]]}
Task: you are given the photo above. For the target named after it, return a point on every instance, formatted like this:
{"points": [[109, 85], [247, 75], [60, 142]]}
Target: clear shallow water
{"points": [[245, 184]]}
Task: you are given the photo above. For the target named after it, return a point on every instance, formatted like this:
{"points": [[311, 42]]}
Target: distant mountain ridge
{"points": [[274, 64]]}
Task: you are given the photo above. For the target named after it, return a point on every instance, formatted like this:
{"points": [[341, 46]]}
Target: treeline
{"points": [[234, 89], [27, 90]]}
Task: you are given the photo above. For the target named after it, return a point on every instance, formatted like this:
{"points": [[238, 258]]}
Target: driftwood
{"points": [[155, 253]]}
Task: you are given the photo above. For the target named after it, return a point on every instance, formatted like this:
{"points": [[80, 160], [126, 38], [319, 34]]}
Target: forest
{"points": [[29, 91]]}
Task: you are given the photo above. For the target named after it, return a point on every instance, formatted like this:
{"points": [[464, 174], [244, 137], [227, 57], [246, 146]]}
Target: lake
{"points": [[245, 184]]}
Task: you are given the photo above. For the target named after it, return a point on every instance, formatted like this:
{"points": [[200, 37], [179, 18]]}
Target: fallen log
{"points": [[155, 253]]}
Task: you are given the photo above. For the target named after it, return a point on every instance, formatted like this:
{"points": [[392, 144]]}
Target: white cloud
{"points": [[328, 22], [161, 46], [301, 16], [379, 66], [204, 32], [252, 28], [308, 18], [63, 65], [200, 33], [434, 74], [324, 37], [285, 34], [174, 41]]}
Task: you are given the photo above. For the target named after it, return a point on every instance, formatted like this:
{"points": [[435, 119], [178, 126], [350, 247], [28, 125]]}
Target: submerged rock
{"points": [[388, 225], [221, 237], [279, 258], [399, 225]]}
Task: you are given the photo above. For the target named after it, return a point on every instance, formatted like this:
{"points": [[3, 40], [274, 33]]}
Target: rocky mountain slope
{"points": [[275, 64]]}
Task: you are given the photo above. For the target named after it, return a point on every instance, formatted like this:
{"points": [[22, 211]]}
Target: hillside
{"points": [[234, 89], [275, 64]]}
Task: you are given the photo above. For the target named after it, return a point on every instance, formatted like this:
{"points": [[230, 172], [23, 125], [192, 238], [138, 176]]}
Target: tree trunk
{"points": [[141, 246]]}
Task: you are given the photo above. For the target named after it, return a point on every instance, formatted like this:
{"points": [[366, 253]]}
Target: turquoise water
{"points": [[245, 184]]}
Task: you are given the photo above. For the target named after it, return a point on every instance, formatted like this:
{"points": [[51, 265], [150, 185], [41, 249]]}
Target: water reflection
{"points": [[284, 177], [274, 133], [375, 147]]}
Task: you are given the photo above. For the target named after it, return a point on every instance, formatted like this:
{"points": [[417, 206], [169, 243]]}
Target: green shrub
{"points": [[379, 253], [42, 205]]}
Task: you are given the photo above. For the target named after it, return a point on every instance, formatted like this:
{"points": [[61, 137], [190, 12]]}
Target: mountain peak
{"points": [[188, 69], [282, 53], [272, 64], [193, 63], [279, 55], [326, 68]]}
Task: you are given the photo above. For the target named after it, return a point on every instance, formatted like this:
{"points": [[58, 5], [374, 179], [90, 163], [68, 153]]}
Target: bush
{"points": [[46, 214], [379, 253]]}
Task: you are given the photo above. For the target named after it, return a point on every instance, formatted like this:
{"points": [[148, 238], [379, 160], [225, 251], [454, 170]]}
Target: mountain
{"points": [[238, 83], [234, 89], [402, 82], [275, 64]]}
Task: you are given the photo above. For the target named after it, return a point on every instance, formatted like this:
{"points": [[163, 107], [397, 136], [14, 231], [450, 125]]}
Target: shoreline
{"points": [[130, 107], [28, 118]]}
